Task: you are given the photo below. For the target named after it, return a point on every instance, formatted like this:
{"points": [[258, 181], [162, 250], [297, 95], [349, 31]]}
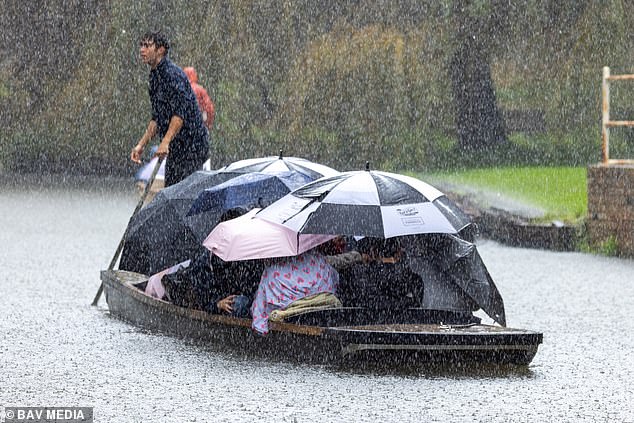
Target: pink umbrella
{"points": [[249, 237]]}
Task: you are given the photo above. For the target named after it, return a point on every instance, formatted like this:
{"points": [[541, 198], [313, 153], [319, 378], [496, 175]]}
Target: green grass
{"points": [[560, 191]]}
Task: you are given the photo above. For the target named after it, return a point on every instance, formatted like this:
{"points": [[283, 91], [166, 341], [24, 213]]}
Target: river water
{"points": [[57, 350]]}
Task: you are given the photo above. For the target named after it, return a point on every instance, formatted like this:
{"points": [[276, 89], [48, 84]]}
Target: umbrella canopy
{"points": [[247, 237], [246, 191], [384, 205], [162, 234], [158, 237], [455, 275], [248, 188], [281, 164], [367, 203]]}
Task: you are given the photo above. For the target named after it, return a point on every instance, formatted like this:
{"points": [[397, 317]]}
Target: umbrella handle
{"points": [[148, 187]]}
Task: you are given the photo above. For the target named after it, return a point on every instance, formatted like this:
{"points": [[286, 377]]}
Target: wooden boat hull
{"points": [[401, 344]]}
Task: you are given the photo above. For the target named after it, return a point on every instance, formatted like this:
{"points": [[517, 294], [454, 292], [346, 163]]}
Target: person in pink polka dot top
{"points": [[288, 280]]}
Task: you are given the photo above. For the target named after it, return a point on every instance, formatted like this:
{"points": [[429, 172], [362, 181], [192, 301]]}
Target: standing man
{"points": [[175, 115]]}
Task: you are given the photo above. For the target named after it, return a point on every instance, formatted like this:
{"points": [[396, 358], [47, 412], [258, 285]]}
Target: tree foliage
{"points": [[336, 81]]}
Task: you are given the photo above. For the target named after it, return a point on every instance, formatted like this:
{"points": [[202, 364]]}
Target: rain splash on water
{"points": [[58, 350]]}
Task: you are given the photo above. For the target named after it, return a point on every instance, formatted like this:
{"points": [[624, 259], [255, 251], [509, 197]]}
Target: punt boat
{"points": [[415, 337]]}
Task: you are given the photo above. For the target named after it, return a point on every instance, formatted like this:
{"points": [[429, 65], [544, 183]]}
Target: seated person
{"points": [[235, 278], [382, 280], [289, 279], [213, 285], [233, 305], [208, 283], [338, 254], [190, 286], [154, 287]]}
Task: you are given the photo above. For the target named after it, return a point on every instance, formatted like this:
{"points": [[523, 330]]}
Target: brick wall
{"points": [[611, 206]]}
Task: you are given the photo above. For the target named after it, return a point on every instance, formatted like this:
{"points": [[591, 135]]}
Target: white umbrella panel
{"points": [[367, 203]]}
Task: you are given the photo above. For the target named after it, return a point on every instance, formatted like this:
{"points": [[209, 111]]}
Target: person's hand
{"points": [[226, 304], [135, 154], [163, 150]]}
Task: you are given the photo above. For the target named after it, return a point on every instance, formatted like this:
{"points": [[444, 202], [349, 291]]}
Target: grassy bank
{"points": [[560, 191]]}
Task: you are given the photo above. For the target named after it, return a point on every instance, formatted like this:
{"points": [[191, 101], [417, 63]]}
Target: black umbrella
{"points": [[246, 191], [367, 203], [454, 274], [157, 236], [281, 164], [165, 233]]}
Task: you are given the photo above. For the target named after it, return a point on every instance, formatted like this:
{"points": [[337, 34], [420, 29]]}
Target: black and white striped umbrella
{"points": [[367, 203], [281, 164]]}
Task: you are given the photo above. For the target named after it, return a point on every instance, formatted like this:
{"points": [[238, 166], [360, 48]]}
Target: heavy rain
{"points": [[379, 97]]}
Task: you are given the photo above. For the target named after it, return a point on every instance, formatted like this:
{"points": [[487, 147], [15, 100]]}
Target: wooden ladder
{"points": [[606, 122]]}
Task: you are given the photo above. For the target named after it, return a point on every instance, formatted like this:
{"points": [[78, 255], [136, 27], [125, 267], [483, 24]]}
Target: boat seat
{"points": [[359, 316]]}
